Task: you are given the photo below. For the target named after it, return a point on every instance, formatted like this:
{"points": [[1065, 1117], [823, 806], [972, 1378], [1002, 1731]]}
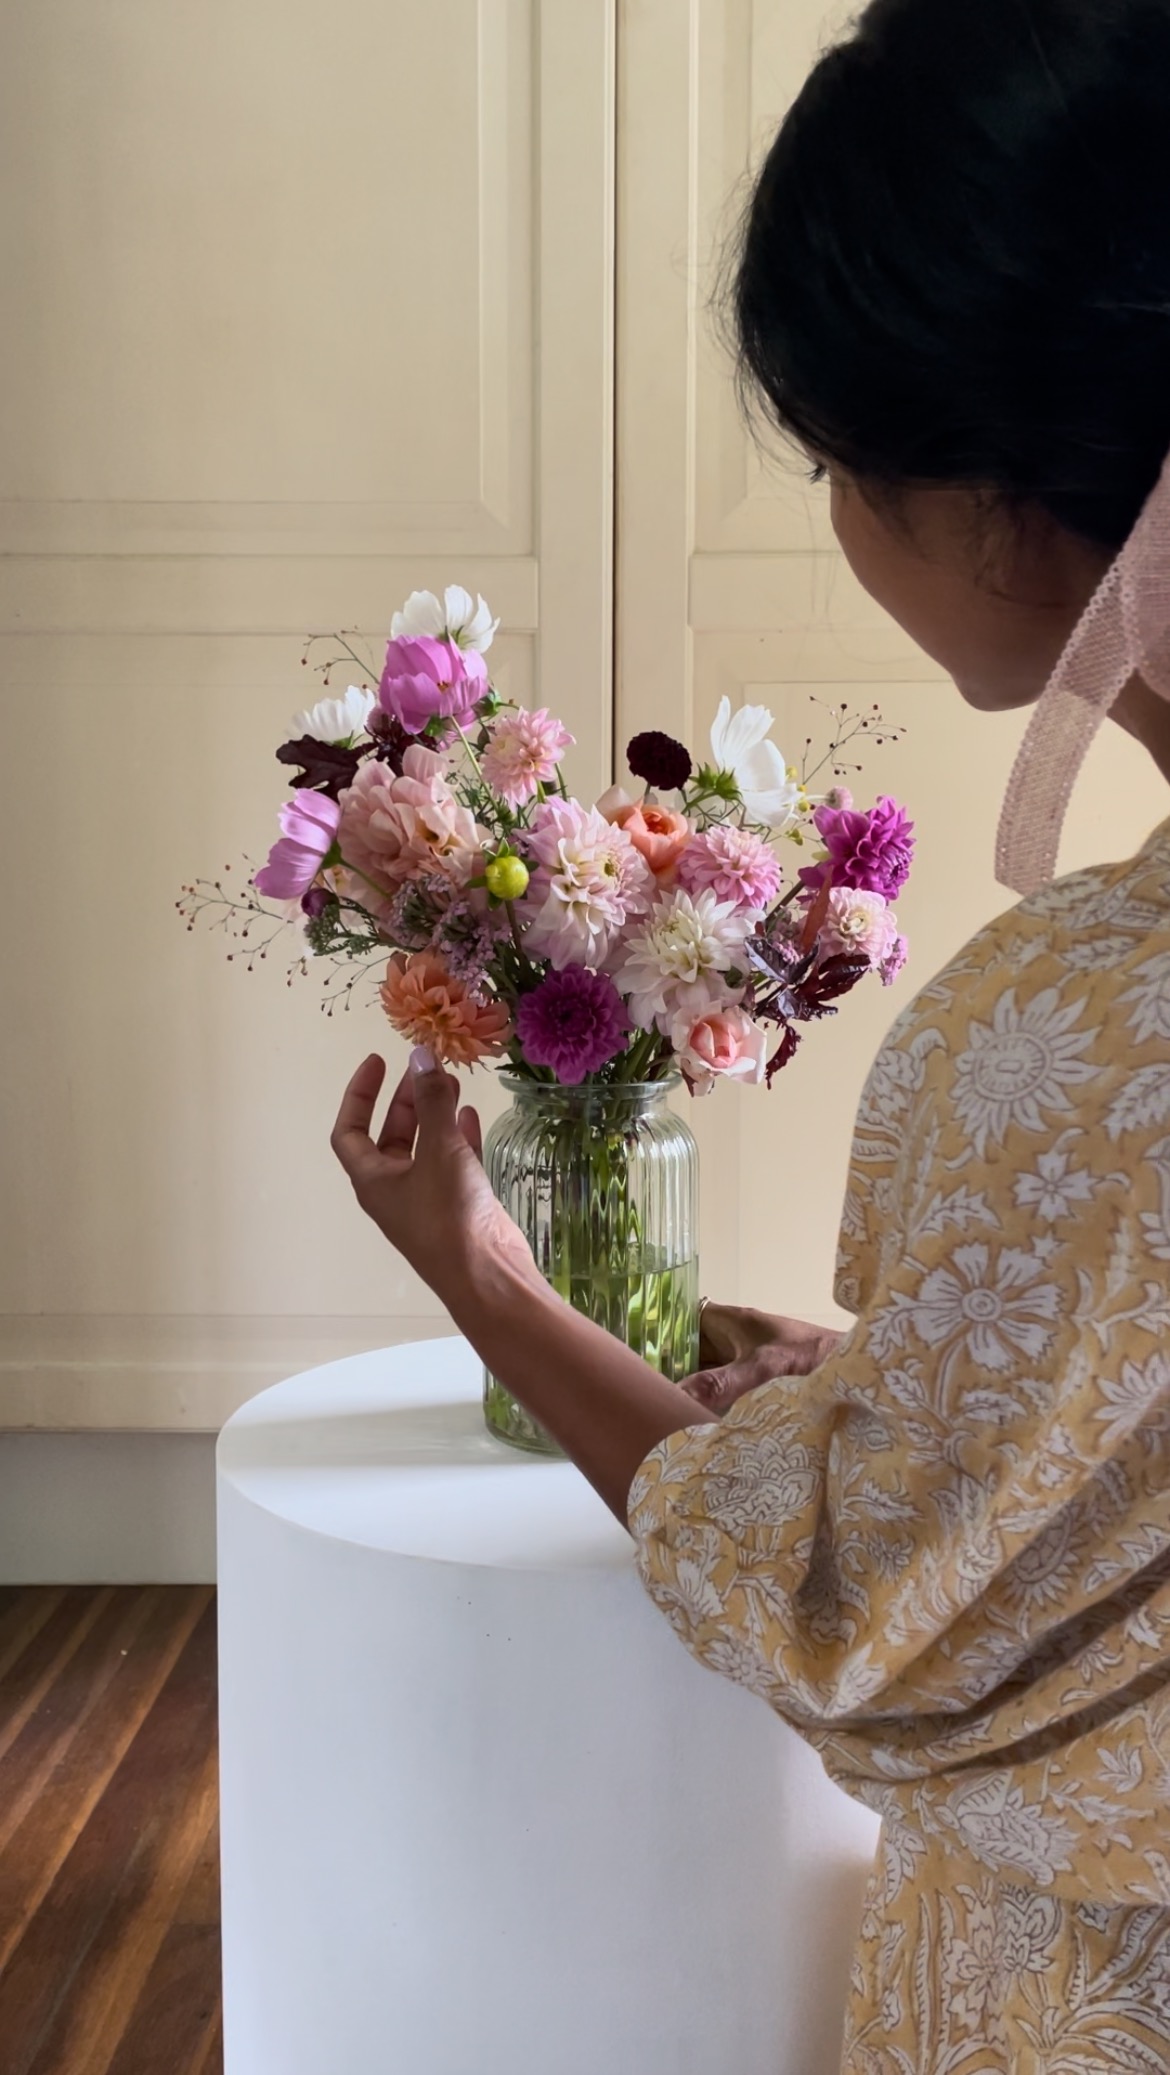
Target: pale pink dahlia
{"points": [[398, 828], [734, 864], [587, 881], [858, 925], [524, 751]]}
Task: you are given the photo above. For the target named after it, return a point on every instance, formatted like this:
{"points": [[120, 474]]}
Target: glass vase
{"points": [[603, 1182]]}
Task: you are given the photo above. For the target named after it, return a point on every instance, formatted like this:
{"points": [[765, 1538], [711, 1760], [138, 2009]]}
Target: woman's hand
{"points": [[740, 1349], [422, 1179]]}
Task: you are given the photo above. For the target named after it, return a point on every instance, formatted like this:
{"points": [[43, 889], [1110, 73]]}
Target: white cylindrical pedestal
{"points": [[481, 1812]]}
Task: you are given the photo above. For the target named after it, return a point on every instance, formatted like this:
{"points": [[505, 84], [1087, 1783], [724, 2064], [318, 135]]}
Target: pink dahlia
{"points": [[395, 828], [871, 852], [524, 751], [858, 925], [309, 825], [735, 864], [587, 881], [424, 679], [575, 1022]]}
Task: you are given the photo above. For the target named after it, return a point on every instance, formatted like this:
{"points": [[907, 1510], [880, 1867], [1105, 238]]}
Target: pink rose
{"points": [[658, 834], [424, 679], [724, 1043]]}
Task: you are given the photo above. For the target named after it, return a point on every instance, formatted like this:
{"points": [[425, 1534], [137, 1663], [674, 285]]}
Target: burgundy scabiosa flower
{"points": [[660, 760], [575, 1022], [870, 852]]}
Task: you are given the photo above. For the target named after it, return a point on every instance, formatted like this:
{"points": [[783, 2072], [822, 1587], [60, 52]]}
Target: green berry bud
{"points": [[506, 877]]}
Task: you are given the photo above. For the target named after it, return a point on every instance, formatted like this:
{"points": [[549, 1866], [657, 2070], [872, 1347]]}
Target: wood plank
{"points": [[24, 1619], [65, 1994], [174, 2021], [212, 2060], [49, 1650], [68, 1702], [107, 1987], [41, 1840]]}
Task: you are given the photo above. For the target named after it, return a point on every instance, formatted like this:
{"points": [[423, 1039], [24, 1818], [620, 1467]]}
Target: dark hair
{"points": [[955, 265]]}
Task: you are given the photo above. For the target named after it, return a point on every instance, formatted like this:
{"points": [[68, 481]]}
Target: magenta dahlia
{"points": [[870, 852], [575, 1022]]}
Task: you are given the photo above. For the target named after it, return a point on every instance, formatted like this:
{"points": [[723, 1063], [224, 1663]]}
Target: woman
{"points": [[941, 1547]]}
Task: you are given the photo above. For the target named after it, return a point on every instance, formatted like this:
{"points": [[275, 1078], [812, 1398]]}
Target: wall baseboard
{"points": [[100, 1374], [107, 1509]]}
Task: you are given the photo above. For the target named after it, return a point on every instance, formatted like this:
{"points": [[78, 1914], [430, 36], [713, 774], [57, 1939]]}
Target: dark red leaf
{"points": [[783, 1053], [327, 766]]}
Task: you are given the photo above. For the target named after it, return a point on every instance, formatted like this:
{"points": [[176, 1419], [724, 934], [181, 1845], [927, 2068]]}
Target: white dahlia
{"points": [[675, 963]]}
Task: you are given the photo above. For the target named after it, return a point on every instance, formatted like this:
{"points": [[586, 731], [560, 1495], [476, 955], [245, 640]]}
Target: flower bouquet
{"points": [[599, 953]]}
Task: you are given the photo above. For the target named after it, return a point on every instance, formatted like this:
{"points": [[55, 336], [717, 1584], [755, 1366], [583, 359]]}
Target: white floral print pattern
{"points": [[1021, 1065], [946, 1555]]}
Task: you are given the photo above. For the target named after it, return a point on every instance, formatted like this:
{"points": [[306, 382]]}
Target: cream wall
{"points": [[306, 306], [728, 582]]}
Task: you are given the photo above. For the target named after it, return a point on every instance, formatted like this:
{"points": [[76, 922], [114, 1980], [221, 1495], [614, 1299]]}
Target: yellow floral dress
{"points": [[945, 1557]]}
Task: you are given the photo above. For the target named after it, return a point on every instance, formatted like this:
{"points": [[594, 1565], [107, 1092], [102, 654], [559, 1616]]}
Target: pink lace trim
{"points": [[1124, 629]]}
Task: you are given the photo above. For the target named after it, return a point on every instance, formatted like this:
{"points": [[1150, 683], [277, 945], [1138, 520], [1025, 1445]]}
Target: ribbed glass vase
{"points": [[604, 1183]]}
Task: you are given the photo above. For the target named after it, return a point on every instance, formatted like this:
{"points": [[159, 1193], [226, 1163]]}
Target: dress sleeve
{"points": [[736, 1528]]}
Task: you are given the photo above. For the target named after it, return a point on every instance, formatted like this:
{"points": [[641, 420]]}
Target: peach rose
{"points": [[724, 1043], [660, 835]]}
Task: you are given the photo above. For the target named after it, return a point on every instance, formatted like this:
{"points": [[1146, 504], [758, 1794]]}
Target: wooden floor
{"points": [[109, 1873]]}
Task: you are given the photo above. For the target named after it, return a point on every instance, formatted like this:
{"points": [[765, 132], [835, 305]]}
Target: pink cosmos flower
{"points": [[723, 1043], [395, 828], [587, 881], [524, 752], [309, 825], [858, 925], [427, 1004], [424, 679], [736, 864]]}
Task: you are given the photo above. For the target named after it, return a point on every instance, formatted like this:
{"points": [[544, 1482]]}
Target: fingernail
{"points": [[422, 1060]]}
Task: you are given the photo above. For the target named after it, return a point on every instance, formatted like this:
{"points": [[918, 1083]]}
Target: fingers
{"points": [[707, 1387], [472, 1130], [436, 1101], [400, 1124], [350, 1137], [717, 1335]]}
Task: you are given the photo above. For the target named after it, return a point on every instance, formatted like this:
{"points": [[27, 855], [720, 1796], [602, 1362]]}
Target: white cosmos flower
{"points": [[674, 964], [334, 720], [739, 744], [459, 618]]}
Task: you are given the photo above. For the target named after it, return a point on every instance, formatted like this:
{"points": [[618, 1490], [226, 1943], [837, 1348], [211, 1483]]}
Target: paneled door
{"points": [[305, 305], [729, 582]]}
